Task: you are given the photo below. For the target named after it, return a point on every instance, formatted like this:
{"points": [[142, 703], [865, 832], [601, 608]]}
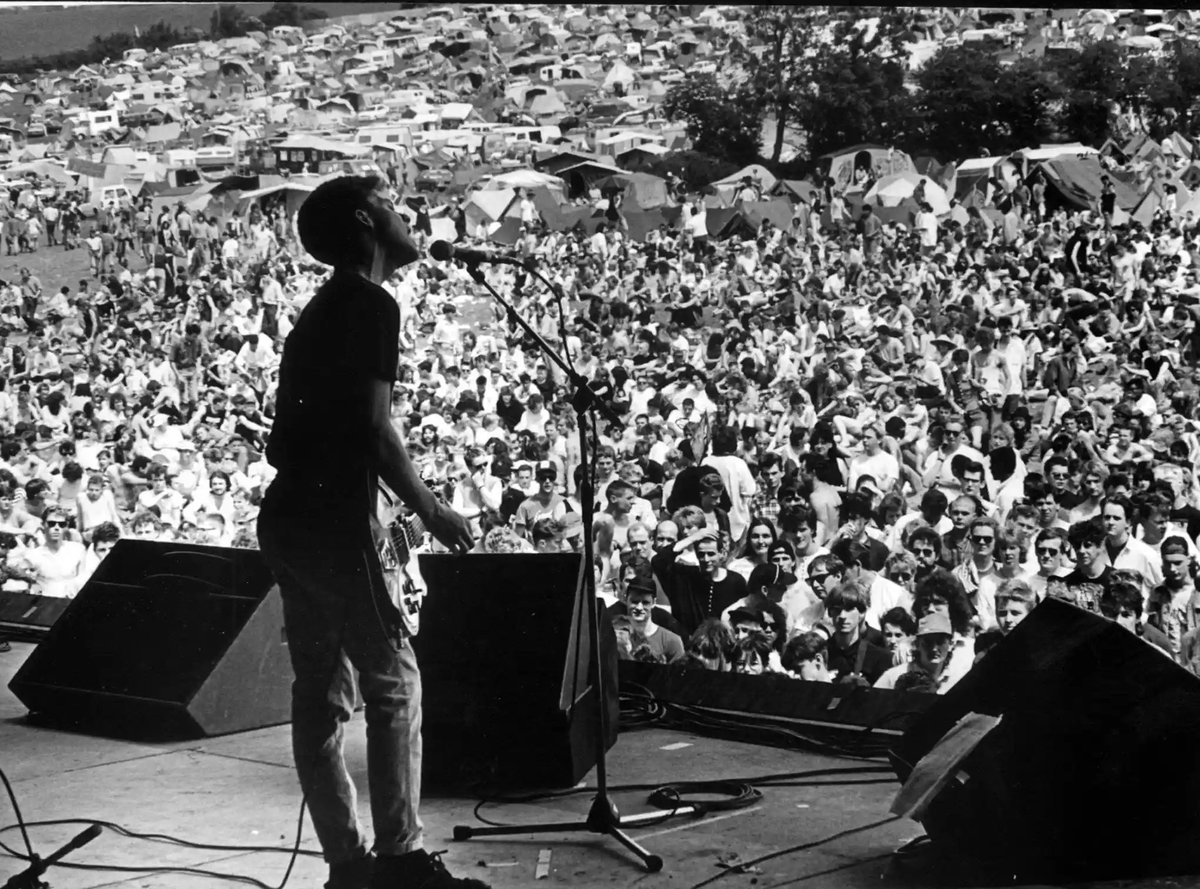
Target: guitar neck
{"points": [[408, 533]]}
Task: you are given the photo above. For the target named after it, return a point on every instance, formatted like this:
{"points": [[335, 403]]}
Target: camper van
{"points": [[215, 156], [371, 59], [385, 134], [287, 33]]}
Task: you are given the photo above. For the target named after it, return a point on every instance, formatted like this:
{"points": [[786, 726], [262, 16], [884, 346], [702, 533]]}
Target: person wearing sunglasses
{"points": [[1050, 549], [57, 562], [938, 468], [926, 545], [978, 575], [901, 569]]}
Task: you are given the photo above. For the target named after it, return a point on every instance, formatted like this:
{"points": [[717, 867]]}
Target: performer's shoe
{"points": [[418, 870], [5, 646], [354, 874]]}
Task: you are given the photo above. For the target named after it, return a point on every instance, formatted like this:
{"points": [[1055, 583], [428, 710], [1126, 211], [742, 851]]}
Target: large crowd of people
{"points": [[851, 450]]}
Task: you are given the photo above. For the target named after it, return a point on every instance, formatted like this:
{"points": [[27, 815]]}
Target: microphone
{"points": [[444, 251]]}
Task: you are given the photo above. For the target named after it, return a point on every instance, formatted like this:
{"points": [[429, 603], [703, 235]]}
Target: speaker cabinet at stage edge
{"points": [[181, 641], [1093, 771], [508, 694], [165, 640], [29, 614]]}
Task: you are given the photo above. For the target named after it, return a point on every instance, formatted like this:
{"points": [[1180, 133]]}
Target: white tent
{"points": [[760, 174], [891, 191], [489, 206], [524, 179], [619, 73]]}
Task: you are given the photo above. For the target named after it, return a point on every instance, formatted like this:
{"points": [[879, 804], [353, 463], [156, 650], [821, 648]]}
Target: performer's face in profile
{"points": [[391, 232]]}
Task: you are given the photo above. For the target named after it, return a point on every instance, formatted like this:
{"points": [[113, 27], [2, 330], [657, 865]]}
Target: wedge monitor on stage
{"points": [[165, 639]]}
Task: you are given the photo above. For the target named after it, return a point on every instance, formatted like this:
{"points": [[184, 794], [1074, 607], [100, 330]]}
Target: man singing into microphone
{"points": [[332, 441]]}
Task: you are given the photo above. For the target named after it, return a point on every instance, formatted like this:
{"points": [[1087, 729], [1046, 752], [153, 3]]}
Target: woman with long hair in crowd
{"points": [[760, 534]]}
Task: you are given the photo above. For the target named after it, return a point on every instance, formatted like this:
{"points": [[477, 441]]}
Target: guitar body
{"points": [[398, 541]]}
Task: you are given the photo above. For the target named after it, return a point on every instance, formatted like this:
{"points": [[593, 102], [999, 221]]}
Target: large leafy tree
{"points": [[834, 73], [722, 121], [228, 21], [958, 101], [1095, 78], [294, 14], [859, 92]]}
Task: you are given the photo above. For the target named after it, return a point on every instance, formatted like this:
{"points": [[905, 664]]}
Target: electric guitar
{"points": [[398, 540]]}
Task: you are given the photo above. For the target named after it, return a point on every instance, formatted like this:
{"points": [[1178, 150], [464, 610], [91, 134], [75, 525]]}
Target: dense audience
{"points": [[852, 450]]}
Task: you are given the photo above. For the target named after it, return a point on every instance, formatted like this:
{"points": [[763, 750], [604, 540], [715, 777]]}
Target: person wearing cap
{"points": [[638, 604], [544, 503], [765, 591], [927, 670]]}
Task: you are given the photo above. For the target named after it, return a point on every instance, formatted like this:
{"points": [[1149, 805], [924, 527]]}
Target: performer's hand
{"points": [[450, 529]]}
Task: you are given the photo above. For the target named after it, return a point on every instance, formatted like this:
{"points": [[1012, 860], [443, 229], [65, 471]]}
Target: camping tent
{"points": [[639, 190], [486, 207], [1076, 181], [777, 211], [890, 191], [760, 174], [525, 179], [842, 165]]}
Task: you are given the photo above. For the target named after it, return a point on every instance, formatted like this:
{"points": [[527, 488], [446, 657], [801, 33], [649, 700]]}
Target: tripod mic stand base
{"points": [[603, 818]]}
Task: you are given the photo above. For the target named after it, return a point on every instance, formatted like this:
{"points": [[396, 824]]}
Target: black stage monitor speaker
{"points": [[28, 615], [507, 695], [1093, 771], [167, 640]]}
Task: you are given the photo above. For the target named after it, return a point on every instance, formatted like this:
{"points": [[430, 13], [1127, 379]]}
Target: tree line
{"points": [[227, 20], [839, 79]]}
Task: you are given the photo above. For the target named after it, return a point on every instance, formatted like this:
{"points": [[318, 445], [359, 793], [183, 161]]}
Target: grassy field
{"points": [[54, 266], [43, 30]]}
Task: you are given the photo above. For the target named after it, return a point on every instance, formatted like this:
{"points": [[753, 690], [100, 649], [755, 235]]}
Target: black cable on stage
{"points": [[157, 837], [832, 870], [799, 847], [668, 795], [12, 797], [671, 796]]}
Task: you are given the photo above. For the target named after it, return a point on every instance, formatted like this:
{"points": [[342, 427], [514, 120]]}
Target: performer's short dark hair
{"points": [[326, 222]]}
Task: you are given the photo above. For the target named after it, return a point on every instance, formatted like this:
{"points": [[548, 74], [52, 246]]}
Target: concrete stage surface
{"points": [[240, 790]]}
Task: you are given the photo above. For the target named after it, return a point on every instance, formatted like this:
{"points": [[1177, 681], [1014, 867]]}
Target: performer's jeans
{"points": [[331, 626]]}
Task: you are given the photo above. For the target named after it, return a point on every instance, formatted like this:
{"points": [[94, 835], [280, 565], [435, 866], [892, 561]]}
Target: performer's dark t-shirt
{"points": [[321, 439]]}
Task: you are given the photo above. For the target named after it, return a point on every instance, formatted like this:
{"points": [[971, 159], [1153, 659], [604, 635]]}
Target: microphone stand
{"points": [[31, 877], [603, 817]]}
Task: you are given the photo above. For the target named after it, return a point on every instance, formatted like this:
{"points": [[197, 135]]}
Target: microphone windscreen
{"points": [[442, 251]]}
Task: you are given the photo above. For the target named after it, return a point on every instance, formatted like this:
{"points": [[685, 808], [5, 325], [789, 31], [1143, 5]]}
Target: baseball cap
{"points": [[572, 524], [935, 624], [868, 483], [545, 468], [769, 575]]}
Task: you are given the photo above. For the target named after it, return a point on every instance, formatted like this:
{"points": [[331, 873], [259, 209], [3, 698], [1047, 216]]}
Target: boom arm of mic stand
{"points": [[30, 877], [585, 396]]}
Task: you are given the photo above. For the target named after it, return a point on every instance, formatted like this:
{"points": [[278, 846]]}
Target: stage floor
{"points": [[240, 790]]}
